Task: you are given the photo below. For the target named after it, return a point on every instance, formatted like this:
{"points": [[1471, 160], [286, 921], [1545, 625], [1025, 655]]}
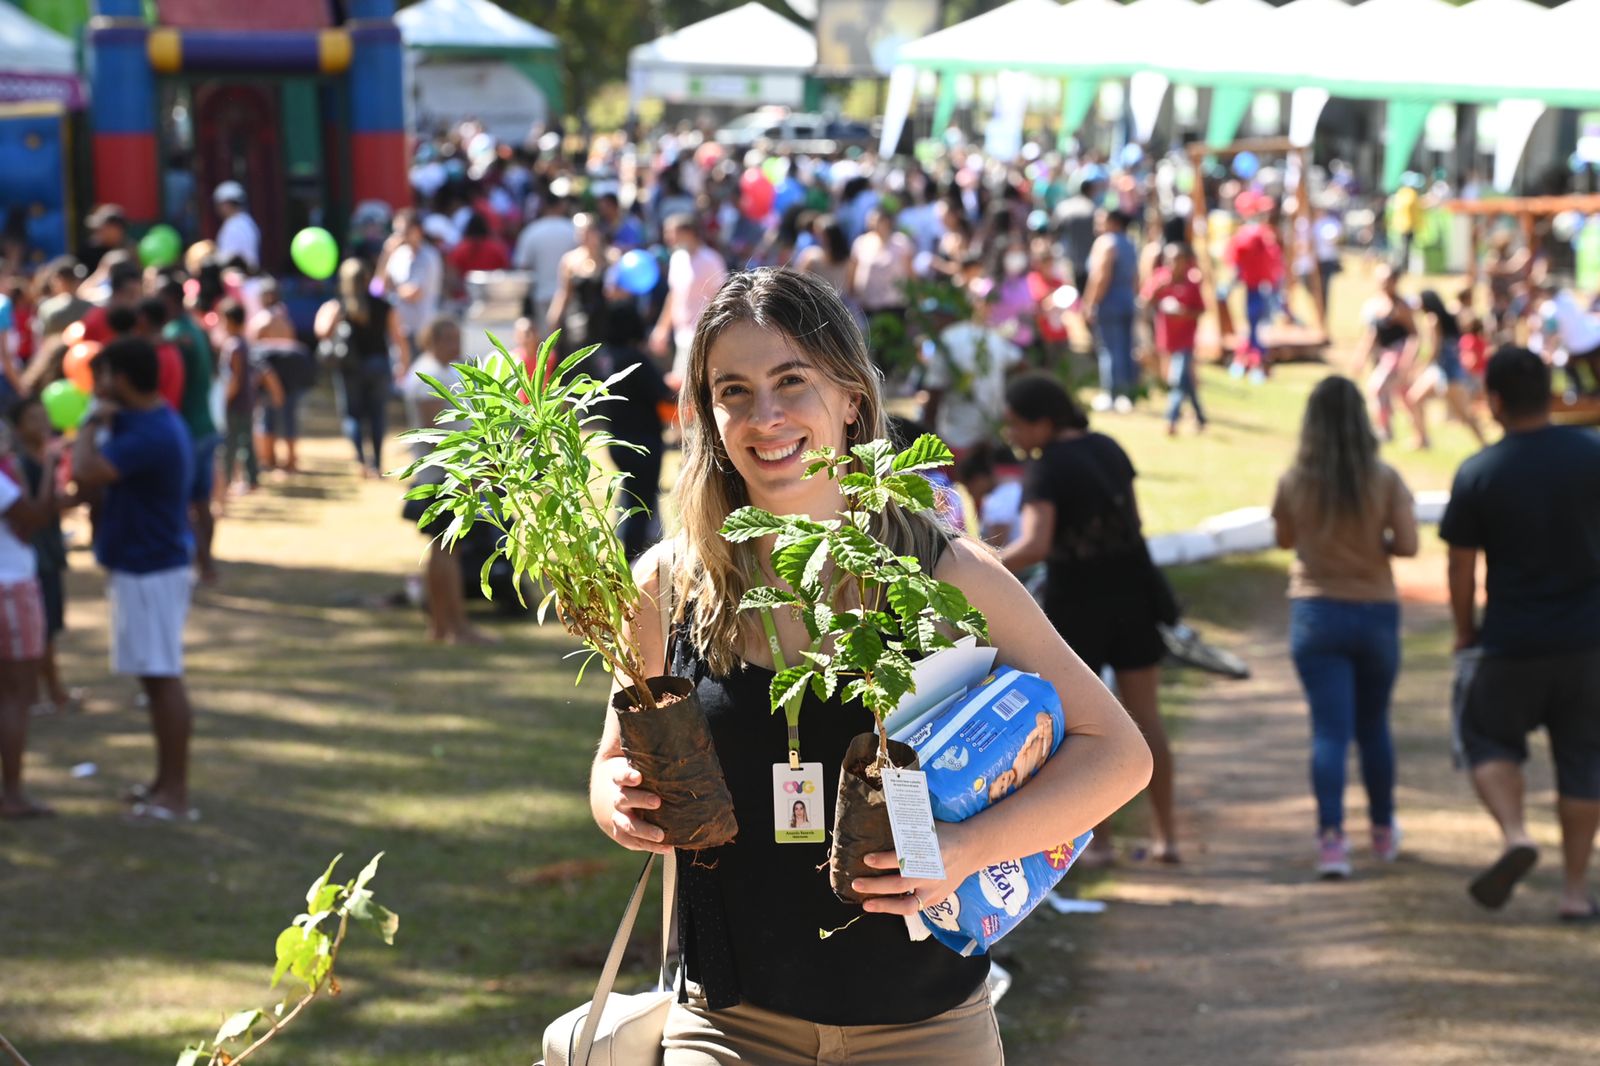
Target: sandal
{"points": [[160, 812], [1494, 886], [1589, 917]]}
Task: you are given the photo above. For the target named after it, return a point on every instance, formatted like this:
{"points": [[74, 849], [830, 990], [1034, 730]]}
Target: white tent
{"points": [[468, 24], [474, 58], [749, 55], [36, 62]]}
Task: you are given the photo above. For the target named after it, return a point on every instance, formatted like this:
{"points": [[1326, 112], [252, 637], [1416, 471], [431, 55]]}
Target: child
{"points": [[1174, 291], [36, 457], [246, 380], [22, 625]]}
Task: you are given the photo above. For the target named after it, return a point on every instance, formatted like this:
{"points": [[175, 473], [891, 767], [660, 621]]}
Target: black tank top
{"points": [[749, 912]]}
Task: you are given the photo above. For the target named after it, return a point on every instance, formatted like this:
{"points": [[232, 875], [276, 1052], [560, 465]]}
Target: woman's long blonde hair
{"points": [[713, 574], [355, 299], [1336, 467]]}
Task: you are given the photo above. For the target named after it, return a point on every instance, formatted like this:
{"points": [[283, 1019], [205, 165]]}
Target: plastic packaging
{"points": [[982, 748]]}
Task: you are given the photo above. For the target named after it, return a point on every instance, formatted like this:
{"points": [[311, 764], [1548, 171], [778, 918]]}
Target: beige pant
{"points": [[750, 1036]]}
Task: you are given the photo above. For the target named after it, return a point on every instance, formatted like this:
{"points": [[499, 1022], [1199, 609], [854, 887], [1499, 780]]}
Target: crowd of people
{"points": [[988, 292]]}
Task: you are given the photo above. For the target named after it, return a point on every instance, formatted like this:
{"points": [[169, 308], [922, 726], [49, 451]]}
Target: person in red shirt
{"points": [[1173, 291], [1257, 258], [125, 287], [151, 319], [478, 249]]}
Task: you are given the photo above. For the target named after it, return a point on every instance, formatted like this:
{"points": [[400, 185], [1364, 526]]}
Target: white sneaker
{"points": [[1122, 405], [1101, 402]]}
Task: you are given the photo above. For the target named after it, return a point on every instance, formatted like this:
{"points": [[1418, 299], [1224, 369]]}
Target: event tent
{"points": [[36, 62], [472, 57], [1411, 54], [750, 55]]}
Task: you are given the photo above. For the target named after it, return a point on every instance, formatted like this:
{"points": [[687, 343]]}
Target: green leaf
{"points": [[855, 551], [748, 523], [949, 601], [927, 452], [912, 491], [906, 599], [382, 919], [789, 684], [191, 1056], [790, 561], [765, 596], [288, 946], [319, 883], [237, 1025], [875, 455], [368, 872], [865, 647]]}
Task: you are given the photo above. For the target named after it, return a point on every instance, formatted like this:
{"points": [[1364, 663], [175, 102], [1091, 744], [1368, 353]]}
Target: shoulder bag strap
{"points": [[608, 974]]}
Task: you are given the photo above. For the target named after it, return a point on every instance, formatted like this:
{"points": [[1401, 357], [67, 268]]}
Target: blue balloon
{"points": [[1245, 165], [790, 193], [638, 272], [1131, 156], [1038, 220]]}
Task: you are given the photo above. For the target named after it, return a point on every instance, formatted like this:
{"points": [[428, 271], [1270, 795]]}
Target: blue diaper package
{"points": [[979, 750]]}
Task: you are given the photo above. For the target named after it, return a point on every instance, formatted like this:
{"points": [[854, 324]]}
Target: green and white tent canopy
{"points": [[1412, 54]]}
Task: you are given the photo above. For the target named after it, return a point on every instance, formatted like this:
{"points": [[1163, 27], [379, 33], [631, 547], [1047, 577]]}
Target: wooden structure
{"points": [[1528, 210], [1284, 342]]}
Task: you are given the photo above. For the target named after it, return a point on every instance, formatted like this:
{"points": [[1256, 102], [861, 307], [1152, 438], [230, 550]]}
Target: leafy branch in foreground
{"points": [[867, 610], [307, 952], [517, 449]]}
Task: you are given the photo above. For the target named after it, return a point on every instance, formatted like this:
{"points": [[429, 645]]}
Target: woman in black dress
{"points": [[1102, 592]]}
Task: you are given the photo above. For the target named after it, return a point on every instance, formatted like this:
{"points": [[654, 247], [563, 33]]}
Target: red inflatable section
{"points": [[378, 168], [126, 172], [278, 15]]}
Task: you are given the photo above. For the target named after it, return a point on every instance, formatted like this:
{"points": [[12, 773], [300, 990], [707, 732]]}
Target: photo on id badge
{"points": [[798, 814]]}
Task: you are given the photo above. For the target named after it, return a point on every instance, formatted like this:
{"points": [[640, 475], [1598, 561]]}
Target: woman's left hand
{"points": [[894, 894]]}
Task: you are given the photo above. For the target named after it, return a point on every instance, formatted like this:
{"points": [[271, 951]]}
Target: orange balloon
{"points": [[73, 334], [76, 365]]}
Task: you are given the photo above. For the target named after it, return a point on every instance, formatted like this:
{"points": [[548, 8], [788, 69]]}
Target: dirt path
{"points": [[1242, 957]]}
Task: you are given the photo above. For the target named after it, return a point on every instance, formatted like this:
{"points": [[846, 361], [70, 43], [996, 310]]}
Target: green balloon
{"points": [[65, 403], [776, 168], [1588, 257], [160, 247], [315, 252]]}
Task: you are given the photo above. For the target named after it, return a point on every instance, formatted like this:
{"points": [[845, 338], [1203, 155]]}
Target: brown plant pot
{"points": [[861, 817], [671, 748]]}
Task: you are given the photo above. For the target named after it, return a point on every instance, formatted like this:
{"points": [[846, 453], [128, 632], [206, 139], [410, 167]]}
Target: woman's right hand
{"points": [[625, 798]]}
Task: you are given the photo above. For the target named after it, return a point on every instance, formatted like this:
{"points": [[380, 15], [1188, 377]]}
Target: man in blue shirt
{"points": [[1531, 505], [135, 454]]}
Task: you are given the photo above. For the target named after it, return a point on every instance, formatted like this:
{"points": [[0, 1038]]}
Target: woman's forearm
{"points": [[1088, 779]]}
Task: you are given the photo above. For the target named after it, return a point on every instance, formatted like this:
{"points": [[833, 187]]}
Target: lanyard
{"points": [[791, 708]]}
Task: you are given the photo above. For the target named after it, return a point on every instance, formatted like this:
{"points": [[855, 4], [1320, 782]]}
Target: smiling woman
{"points": [[778, 368]]}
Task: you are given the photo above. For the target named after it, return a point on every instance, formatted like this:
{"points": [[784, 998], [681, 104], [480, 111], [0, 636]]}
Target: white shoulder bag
{"points": [[624, 1030]]}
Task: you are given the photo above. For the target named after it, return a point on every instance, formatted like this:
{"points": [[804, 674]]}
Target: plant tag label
{"points": [[798, 812], [911, 819]]}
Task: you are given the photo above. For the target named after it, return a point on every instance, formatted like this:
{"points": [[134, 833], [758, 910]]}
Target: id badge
{"points": [[798, 810]]}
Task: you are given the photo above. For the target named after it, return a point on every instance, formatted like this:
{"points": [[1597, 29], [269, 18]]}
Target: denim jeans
{"points": [[1180, 381], [1348, 656], [1257, 308], [364, 392], [1114, 337]]}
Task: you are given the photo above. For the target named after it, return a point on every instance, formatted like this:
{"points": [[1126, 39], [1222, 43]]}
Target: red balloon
{"points": [[756, 194], [75, 365]]}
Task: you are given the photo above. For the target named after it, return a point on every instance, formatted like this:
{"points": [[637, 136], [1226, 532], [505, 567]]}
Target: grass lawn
{"points": [[326, 724]]}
